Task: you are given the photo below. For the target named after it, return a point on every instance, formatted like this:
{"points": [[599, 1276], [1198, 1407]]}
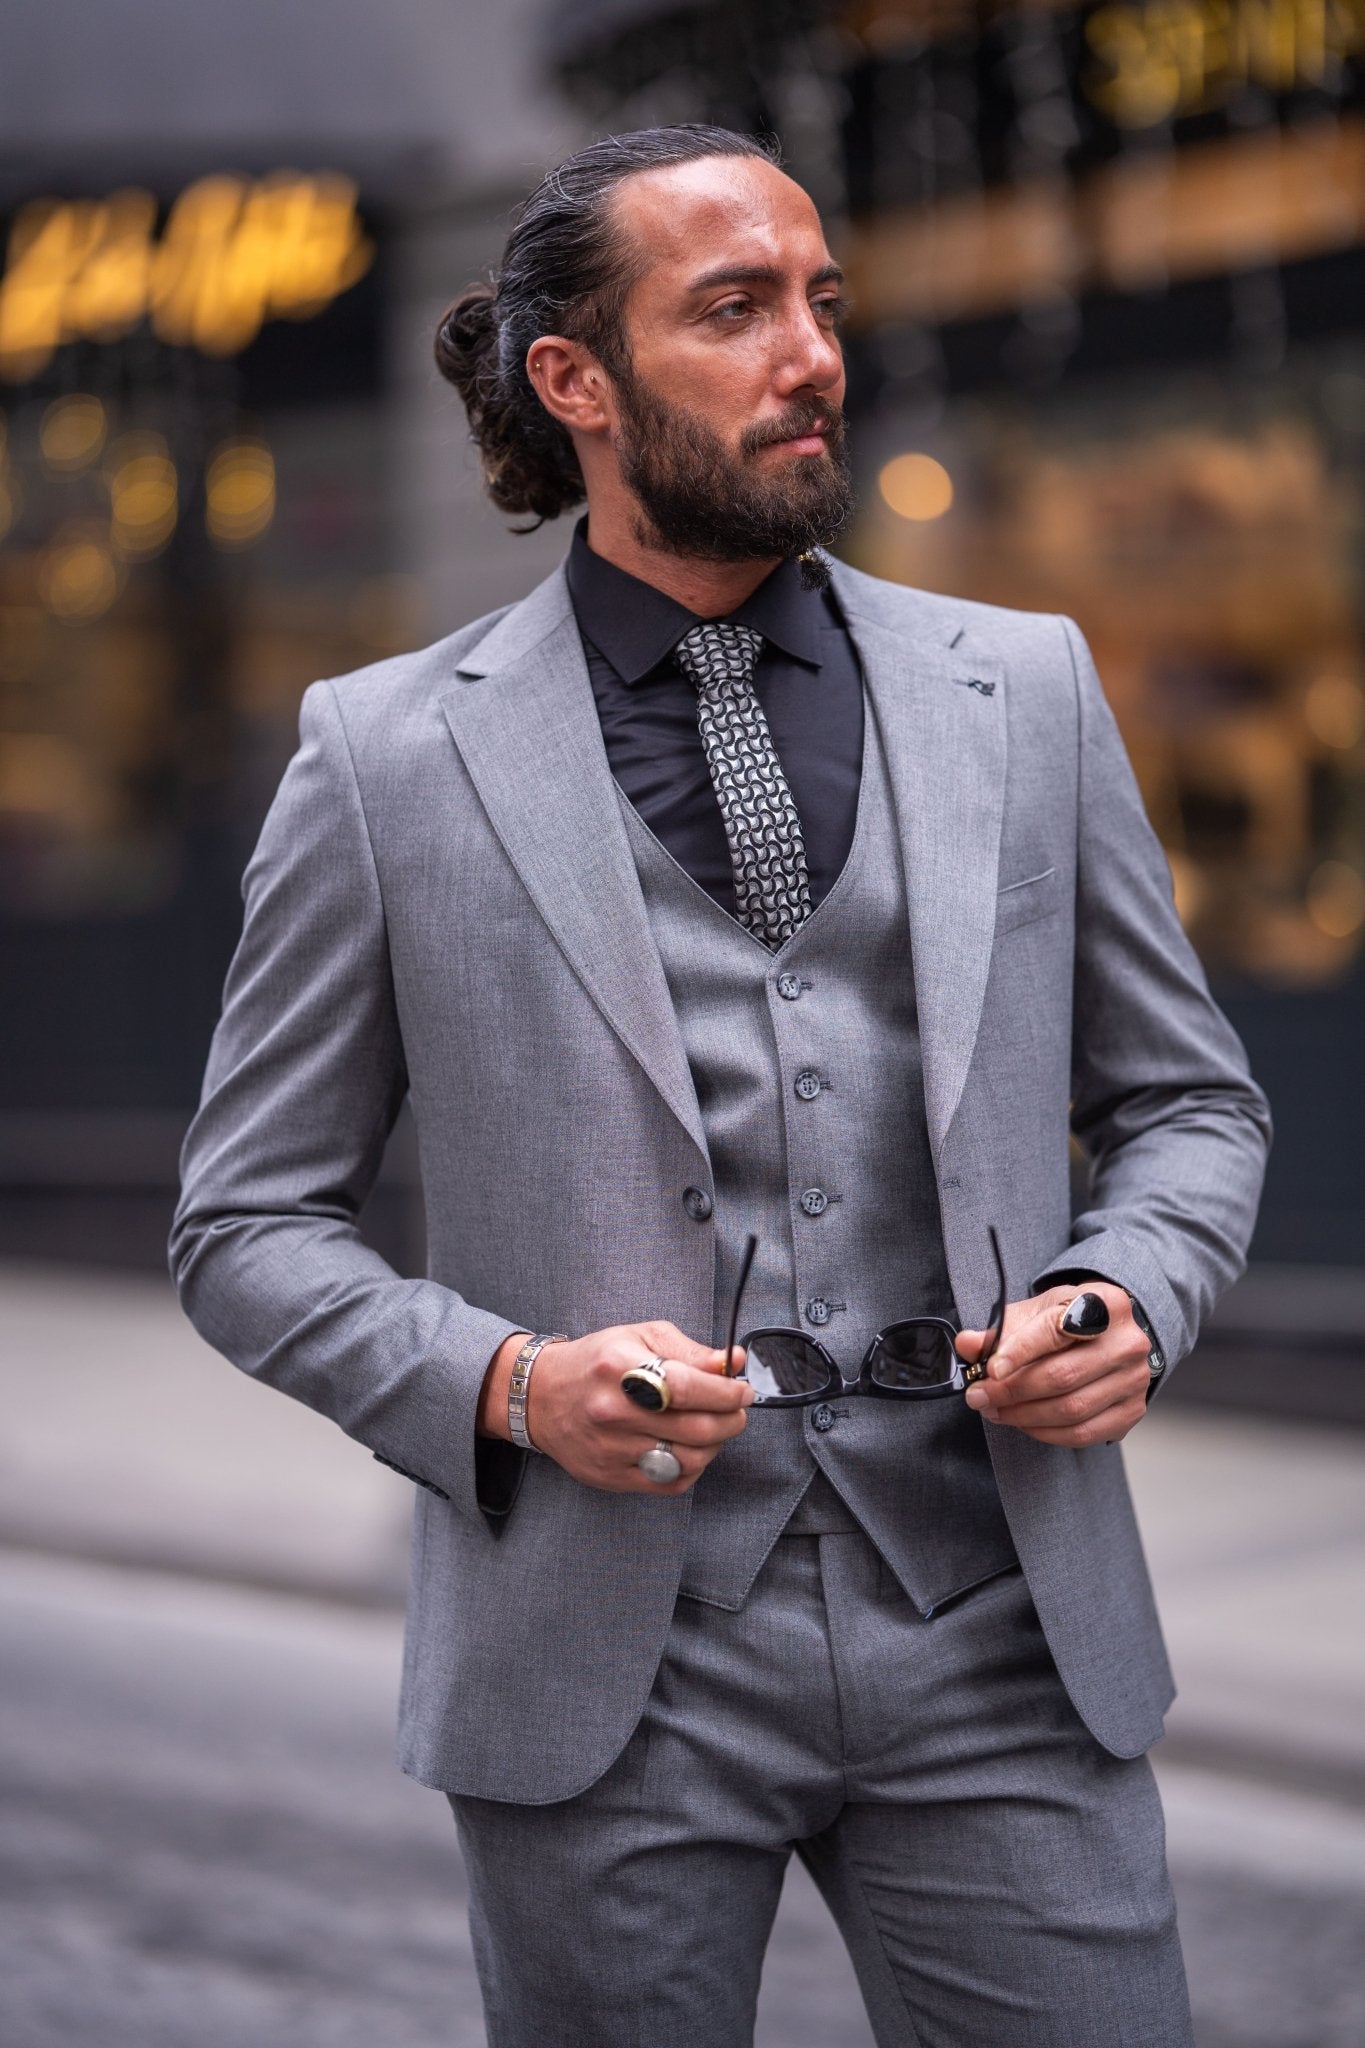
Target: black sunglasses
{"points": [[911, 1360]]}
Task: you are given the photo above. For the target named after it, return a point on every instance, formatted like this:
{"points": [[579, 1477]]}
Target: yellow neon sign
{"points": [[234, 253], [1159, 59]]}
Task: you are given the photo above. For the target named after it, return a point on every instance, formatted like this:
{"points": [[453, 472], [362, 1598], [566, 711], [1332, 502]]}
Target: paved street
{"points": [[206, 1845]]}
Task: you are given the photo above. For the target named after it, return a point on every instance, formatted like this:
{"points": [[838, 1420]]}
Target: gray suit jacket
{"points": [[443, 904]]}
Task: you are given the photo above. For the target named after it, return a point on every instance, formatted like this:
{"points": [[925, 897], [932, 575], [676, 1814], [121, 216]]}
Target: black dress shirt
{"points": [[807, 679]]}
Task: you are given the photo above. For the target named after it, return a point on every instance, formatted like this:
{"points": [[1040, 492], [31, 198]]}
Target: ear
{"points": [[570, 383]]}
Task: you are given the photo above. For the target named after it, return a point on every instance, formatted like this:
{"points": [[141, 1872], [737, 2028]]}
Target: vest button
{"points": [[823, 1417], [815, 1201], [818, 1311], [788, 987], [697, 1203], [807, 1085]]}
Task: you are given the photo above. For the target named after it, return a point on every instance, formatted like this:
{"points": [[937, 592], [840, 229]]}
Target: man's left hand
{"points": [[1059, 1389]]}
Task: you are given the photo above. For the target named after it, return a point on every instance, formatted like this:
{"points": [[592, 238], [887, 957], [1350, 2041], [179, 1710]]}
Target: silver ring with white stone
{"points": [[660, 1465]]}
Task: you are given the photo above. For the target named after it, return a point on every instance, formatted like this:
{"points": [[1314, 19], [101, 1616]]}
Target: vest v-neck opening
{"points": [[837, 886]]}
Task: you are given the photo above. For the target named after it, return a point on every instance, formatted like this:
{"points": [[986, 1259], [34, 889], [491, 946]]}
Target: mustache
{"points": [[805, 416]]}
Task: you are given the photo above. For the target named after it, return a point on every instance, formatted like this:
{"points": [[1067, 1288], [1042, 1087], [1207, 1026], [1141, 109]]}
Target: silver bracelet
{"points": [[519, 1385]]}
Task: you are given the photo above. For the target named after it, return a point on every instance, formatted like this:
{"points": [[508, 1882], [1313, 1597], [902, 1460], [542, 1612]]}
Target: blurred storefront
{"points": [[1108, 272], [226, 468], [192, 498]]}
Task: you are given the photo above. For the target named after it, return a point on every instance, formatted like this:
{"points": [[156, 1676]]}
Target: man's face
{"points": [[730, 426]]}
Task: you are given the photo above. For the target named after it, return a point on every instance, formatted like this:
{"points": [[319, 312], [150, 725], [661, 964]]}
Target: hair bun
{"points": [[467, 337]]}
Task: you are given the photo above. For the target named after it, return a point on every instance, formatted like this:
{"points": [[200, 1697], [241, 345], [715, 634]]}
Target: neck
{"points": [[710, 589]]}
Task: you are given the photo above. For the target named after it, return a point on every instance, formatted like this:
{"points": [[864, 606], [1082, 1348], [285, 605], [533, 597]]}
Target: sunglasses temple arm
{"points": [[997, 1322], [745, 1263]]}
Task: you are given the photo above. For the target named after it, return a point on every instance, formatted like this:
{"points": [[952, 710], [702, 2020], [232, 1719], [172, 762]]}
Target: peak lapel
{"points": [[944, 735], [525, 723]]}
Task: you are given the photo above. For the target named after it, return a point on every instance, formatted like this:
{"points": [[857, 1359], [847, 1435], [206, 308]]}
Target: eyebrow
{"points": [[760, 273]]}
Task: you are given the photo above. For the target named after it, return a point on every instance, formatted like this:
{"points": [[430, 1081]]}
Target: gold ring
{"points": [[1085, 1316], [646, 1384]]}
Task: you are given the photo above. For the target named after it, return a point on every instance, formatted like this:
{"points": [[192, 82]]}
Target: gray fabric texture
{"points": [[443, 902], [916, 1474], [997, 1876]]}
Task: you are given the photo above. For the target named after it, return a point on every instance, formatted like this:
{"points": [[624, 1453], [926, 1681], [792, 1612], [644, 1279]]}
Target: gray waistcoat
{"points": [[807, 1070]]}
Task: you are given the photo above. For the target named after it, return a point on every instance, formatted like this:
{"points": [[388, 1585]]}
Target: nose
{"points": [[813, 360]]}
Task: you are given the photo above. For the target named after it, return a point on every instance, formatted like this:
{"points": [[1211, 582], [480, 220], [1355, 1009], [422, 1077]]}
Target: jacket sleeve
{"points": [[305, 1078], [1175, 1128]]}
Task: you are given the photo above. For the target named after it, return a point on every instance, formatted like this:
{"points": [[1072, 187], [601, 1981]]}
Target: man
{"points": [[714, 891]]}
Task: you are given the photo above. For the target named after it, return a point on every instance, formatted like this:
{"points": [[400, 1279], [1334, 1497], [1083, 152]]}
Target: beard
{"points": [[699, 499]]}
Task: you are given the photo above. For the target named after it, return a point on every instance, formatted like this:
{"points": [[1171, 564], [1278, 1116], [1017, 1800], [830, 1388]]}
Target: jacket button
{"points": [[815, 1201], [807, 1085], [697, 1203], [817, 1311], [823, 1417], [788, 987]]}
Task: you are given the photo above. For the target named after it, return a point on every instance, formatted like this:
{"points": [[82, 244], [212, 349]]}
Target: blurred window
{"points": [[1209, 545]]}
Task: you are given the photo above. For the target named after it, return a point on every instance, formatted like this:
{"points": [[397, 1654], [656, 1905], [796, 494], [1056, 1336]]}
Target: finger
{"points": [[1030, 1332], [698, 1429], [694, 1462], [689, 1388], [1110, 1426], [1055, 1373], [609, 1412], [667, 1341], [1070, 1411], [970, 1343]]}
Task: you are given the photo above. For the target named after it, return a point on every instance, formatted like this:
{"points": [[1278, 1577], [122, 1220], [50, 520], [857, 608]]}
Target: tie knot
{"points": [[715, 652]]}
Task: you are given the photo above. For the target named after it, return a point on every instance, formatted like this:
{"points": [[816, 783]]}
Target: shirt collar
{"points": [[636, 626]]}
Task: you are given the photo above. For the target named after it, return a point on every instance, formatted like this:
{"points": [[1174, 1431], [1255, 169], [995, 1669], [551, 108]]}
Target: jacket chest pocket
{"points": [[1020, 903]]}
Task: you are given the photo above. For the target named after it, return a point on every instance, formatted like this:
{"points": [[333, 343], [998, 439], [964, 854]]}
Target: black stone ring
{"points": [[646, 1384], [1086, 1316]]}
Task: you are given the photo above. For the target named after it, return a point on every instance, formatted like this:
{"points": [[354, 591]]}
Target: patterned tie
{"points": [[767, 852]]}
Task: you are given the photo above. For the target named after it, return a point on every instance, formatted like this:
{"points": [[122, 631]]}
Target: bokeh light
{"points": [[77, 576], [72, 431], [1336, 899], [144, 495], [1334, 706], [916, 487], [240, 493]]}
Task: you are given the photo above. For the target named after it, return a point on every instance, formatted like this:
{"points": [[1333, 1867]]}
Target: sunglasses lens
{"points": [[784, 1362], [913, 1355]]}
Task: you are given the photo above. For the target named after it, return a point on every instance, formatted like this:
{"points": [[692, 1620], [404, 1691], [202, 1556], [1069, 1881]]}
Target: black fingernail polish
{"points": [[1086, 1317]]}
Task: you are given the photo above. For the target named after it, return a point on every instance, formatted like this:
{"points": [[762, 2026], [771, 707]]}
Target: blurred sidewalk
{"points": [[126, 1439]]}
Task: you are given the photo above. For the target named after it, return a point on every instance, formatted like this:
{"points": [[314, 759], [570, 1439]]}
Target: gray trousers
{"points": [[999, 1879]]}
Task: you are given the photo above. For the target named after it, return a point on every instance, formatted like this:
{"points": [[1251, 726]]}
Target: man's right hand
{"points": [[577, 1414]]}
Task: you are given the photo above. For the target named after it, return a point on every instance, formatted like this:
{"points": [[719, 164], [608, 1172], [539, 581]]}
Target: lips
{"points": [[805, 433]]}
